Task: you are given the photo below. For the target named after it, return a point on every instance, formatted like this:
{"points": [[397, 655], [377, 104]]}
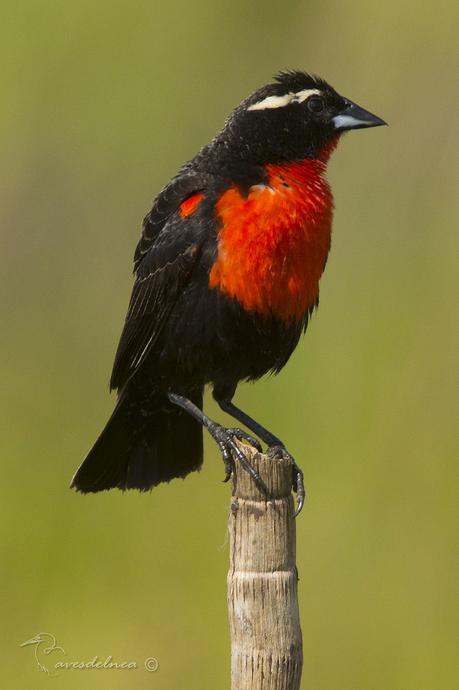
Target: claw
{"points": [[230, 450], [297, 476], [229, 462], [242, 435], [228, 475], [298, 486]]}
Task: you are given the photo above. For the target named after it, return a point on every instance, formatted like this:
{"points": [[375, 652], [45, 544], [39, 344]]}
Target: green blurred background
{"points": [[101, 103]]}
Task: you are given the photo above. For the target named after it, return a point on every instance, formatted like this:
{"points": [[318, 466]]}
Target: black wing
{"points": [[164, 259]]}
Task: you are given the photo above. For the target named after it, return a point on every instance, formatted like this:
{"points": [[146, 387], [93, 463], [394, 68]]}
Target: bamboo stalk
{"points": [[266, 641]]}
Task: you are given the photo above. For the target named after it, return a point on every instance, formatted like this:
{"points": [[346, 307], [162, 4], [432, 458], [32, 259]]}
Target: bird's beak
{"points": [[354, 117], [34, 640]]}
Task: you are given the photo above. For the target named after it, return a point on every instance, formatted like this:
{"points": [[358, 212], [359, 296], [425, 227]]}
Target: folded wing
{"points": [[164, 260]]}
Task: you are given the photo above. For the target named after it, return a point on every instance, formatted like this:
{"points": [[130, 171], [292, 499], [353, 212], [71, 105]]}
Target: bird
{"points": [[227, 273], [39, 641]]}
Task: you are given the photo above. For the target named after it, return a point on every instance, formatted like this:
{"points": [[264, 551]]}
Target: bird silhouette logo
{"points": [[44, 643]]}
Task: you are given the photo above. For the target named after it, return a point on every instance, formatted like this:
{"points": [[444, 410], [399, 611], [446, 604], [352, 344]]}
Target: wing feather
{"points": [[164, 260]]}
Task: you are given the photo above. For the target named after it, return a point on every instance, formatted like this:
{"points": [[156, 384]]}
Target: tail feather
{"points": [[141, 446]]}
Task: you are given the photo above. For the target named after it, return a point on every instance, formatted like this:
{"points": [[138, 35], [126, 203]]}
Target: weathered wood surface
{"points": [[266, 641]]}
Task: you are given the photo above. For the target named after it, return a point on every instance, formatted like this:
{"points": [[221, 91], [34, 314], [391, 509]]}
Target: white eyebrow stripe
{"points": [[272, 102], [286, 99], [303, 95]]}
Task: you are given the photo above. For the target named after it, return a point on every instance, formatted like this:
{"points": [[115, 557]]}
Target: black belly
{"points": [[210, 338]]}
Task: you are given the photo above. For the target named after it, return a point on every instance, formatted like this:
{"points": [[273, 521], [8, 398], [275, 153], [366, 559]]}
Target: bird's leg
{"points": [[274, 445], [224, 438]]}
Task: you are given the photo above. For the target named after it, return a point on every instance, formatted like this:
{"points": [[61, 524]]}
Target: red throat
{"points": [[273, 243]]}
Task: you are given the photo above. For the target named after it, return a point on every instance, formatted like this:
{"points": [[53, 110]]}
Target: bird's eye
{"points": [[316, 105]]}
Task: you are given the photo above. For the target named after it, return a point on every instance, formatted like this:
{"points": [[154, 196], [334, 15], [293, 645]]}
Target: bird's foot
{"points": [[279, 451], [230, 452], [242, 435]]}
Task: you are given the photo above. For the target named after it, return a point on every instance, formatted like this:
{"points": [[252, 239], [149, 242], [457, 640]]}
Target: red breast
{"points": [[273, 243]]}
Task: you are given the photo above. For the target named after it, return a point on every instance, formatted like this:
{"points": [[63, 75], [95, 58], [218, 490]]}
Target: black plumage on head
{"points": [[296, 80]]}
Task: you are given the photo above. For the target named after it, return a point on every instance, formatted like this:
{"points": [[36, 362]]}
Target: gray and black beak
{"points": [[352, 116]]}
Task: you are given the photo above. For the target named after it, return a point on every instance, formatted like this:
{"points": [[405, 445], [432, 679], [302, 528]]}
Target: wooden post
{"points": [[266, 642]]}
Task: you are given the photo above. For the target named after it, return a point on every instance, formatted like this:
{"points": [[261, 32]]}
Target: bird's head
{"points": [[37, 639], [298, 116]]}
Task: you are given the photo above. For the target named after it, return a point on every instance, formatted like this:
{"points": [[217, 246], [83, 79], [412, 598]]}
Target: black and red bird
{"points": [[227, 274]]}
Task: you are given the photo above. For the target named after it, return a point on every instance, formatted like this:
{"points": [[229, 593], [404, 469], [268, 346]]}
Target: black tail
{"points": [[141, 446]]}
